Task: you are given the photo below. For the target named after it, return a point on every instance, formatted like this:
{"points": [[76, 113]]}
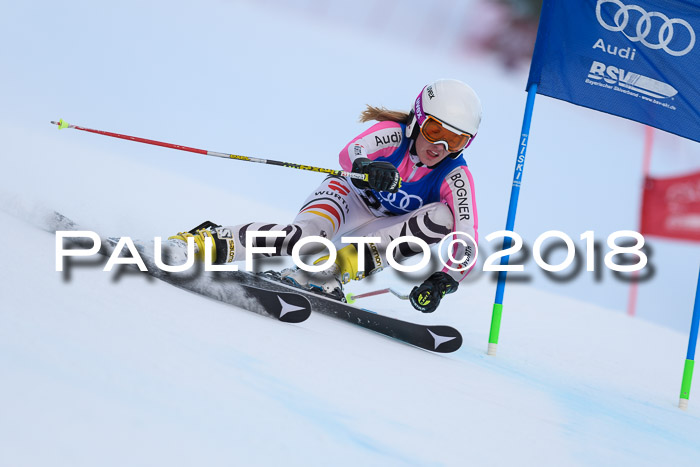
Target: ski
{"points": [[435, 338], [286, 306], [265, 294]]}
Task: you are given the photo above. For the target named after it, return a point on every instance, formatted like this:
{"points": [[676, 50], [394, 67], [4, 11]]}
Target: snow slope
{"points": [[252, 78], [115, 369]]}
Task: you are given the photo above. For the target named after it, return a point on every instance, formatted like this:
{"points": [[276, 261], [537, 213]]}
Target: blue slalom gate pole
{"points": [[690, 357], [510, 222]]}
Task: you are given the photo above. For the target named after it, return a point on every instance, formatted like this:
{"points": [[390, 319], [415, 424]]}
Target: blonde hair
{"points": [[382, 114]]}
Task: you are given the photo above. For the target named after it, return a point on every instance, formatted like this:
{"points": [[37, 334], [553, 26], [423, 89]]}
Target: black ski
{"points": [[285, 305], [284, 301], [289, 307], [435, 338]]}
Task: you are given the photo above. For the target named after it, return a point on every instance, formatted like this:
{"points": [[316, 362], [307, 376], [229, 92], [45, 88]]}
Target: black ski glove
{"points": [[382, 175], [426, 297]]}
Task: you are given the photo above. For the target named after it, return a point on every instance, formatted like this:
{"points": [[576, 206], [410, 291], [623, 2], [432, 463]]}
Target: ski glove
{"points": [[426, 297], [382, 175]]}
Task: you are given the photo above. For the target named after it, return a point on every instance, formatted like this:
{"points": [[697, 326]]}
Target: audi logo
{"points": [[643, 28], [406, 203]]}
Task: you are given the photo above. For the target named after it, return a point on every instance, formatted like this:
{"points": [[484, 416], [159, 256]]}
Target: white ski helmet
{"points": [[452, 102]]}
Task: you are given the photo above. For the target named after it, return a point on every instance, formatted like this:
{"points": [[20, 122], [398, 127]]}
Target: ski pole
{"points": [[350, 298], [61, 125]]}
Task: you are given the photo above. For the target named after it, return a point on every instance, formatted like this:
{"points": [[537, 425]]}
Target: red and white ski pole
{"points": [[342, 173]]}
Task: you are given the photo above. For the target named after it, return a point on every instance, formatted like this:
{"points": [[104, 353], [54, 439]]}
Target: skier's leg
{"points": [[431, 223], [229, 243], [325, 213], [338, 203]]}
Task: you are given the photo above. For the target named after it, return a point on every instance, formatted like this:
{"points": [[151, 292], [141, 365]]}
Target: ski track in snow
{"points": [[548, 412], [122, 369]]}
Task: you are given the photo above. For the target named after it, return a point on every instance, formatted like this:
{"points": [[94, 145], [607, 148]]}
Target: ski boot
{"points": [[222, 245], [328, 282]]}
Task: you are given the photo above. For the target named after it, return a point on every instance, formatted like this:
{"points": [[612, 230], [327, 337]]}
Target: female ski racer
{"points": [[418, 185]]}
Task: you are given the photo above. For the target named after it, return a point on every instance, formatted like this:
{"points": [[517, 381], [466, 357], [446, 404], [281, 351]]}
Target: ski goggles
{"points": [[435, 131]]}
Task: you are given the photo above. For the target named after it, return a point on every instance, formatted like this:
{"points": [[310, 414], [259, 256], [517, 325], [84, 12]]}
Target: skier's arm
{"points": [[359, 156], [457, 192], [380, 140]]}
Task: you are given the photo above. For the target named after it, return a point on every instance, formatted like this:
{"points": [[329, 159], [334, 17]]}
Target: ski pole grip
{"points": [[357, 176]]}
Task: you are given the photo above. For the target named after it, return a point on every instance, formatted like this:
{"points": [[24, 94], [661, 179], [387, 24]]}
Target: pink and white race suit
{"points": [[431, 203]]}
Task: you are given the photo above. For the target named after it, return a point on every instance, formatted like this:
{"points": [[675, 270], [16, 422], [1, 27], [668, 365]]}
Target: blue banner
{"points": [[637, 59]]}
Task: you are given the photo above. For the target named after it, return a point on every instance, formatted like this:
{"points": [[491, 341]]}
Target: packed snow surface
{"points": [[115, 369], [122, 369]]}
